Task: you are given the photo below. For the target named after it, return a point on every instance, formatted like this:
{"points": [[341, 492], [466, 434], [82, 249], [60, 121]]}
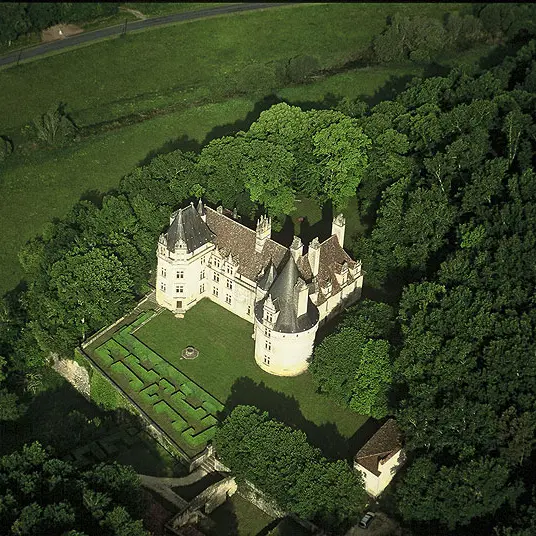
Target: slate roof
{"points": [[387, 440], [188, 226], [285, 298], [238, 240], [268, 277]]}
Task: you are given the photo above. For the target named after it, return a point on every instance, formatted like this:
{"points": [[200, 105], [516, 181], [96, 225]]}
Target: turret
{"points": [[314, 255], [337, 228], [263, 232]]}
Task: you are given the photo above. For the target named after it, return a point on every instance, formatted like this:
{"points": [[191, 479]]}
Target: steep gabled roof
{"points": [[189, 228], [385, 441]]}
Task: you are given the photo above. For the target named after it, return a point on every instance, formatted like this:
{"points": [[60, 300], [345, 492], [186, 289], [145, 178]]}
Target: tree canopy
{"points": [[43, 495]]}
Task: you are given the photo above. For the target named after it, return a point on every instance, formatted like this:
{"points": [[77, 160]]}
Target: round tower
{"points": [[286, 321]]}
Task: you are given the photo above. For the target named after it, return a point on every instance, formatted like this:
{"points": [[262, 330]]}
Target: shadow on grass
{"points": [[286, 409], [61, 418], [225, 520]]}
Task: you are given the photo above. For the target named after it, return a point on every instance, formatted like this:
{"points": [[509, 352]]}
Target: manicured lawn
{"points": [[226, 368]]}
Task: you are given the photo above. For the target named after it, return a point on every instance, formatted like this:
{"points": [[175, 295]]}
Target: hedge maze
{"points": [[180, 406]]}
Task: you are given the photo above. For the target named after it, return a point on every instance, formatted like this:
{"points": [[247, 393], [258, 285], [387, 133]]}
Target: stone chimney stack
{"points": [[201, 210], [337, 228], [264, 232], [314, 256], [296, 248], [302, 293]]}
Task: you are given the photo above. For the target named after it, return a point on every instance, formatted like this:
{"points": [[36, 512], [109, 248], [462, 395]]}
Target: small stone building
{"points": [[285, 293], [380, 458]]}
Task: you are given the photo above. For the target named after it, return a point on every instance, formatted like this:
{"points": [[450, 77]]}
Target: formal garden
{"points": [[180, 406], [186, 397]]}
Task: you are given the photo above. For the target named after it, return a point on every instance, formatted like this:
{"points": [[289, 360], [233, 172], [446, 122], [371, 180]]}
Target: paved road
{"points": [[87, 37]]}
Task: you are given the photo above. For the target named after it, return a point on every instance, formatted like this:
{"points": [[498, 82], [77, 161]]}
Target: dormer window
{"points": [[269, 317]]}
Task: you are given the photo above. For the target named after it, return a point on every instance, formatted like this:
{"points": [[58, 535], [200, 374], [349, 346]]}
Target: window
{"points": [[179, 289], [229, 284], [267, 333], [229, 270], [217, 278], [217, 263], [179, 304], [249, 309], [268, 317], [163, 272], [162, 286], [228, 299], [202, 274], [266, 360], [215, 292], [203, 259], [201, 288], [268, 345], [180, 274]]}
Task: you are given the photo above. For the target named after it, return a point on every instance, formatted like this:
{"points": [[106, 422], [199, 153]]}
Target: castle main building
{"points": [[285, 294]]}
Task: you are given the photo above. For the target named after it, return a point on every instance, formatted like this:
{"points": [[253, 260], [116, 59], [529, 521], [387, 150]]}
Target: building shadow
{"points": [[243, 124], [286, 409], [286, 234]]}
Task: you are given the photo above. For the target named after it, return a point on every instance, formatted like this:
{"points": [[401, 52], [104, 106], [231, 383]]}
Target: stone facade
{"points": [[283, 292]]}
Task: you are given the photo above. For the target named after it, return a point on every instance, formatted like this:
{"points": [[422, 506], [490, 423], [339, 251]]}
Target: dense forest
{"points": [[444, 176]]}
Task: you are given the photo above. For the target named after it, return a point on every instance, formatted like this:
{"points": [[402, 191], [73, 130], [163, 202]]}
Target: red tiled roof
{"points": [[238, 240]]}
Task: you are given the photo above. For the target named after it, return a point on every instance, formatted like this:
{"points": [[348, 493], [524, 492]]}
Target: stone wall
{"points": [[255, 496], [75, 374]]}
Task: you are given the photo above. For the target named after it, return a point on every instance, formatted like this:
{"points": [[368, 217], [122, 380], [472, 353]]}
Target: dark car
{"points": [[366, 520]]}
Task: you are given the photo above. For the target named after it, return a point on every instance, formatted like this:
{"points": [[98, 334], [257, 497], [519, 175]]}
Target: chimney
{"points": [[219, 209], [296, 248], [303, 295], [314, 255], [201, 211], [337, 228], [264, 232]]}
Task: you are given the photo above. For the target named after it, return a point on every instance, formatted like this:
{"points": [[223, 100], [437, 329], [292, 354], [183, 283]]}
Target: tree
{"points": [[54, 127], [335, 363], [43, 495], [341, 150], [373, 380], [281, 462]]}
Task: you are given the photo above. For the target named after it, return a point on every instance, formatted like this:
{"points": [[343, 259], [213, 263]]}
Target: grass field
{"points": [[226, 368], [153, 68]]}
